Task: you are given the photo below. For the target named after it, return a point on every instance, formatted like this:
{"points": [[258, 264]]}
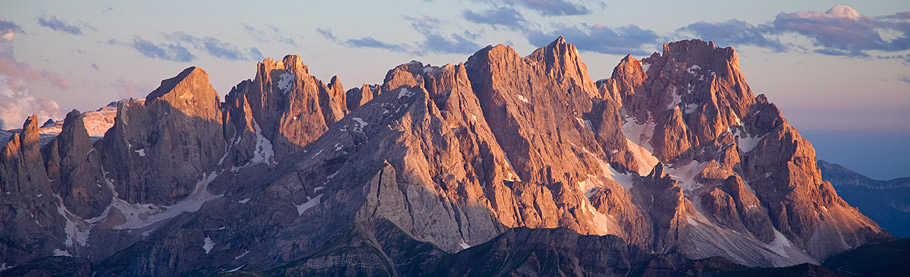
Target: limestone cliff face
{"points": [[73, 166], [156, 151], [291, 107], [32, 224], [691, 108], [672, 155]]}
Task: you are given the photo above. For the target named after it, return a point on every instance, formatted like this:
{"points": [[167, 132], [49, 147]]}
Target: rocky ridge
{"points": [[672, 154]]}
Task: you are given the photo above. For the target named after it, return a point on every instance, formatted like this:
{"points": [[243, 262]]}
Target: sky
{"points": [[839, 71]]}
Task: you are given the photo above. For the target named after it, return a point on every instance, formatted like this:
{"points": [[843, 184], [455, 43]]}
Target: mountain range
{"points": [[502, 164]]}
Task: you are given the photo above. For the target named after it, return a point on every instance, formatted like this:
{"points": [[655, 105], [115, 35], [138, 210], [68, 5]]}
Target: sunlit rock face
{"points": [[671, 156]]}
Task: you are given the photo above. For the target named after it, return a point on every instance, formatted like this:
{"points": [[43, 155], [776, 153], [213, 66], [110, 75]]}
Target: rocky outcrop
{"points": [[156, 151], [691, 108], [672, 155], [74, 168], [291, 107], [30, 210]]}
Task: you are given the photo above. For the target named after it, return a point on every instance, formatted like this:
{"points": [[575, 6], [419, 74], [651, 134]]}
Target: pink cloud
{"points": [[16, 100], [129, 89]]}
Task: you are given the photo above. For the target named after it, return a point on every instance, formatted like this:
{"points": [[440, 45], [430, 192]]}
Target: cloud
{"points": [[327, 33], [256, 34], [734, 32], [370, 42], [163, 51], [179, 44], [256, 55], [263, 37], [17, 75], [602, 39], [505, 17], [129, 89], [222, 49], [553, 7], [843, 31], [904, 78], [426, 26], [452, 44], [59, 25], [7, 30], [434, 42], [214, 47], [16, 78], [16, 106]]}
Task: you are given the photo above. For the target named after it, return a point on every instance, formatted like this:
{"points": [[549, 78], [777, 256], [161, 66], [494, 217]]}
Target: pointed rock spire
{"points": [[189, 92]]}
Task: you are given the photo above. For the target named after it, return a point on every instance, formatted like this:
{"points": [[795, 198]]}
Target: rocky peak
{"points": [[627, 75], [73, 135], [563, 63], [290, 107], [74, 168], [176, 135], [30, 136], [405, 75], [450, 155], [190, 93]]}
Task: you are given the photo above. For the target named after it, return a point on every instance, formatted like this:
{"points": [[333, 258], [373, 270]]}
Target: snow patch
{"points": [[464, 245], [523, 99], [589, 187], [638, 137], [58, 253], [512, 175], [236, 268], [141, 152], [692, 69], [75, 233], [142, 215], [780, 244], [243, 201], [746, 143], [690, 108], [585, 122], [646, 161], [676, 98], [602, 222], [405, 93], [685, 175], [286, 81], [264, 151], [360, 124], [209, 244], [241, 255], [645, 66], [310, 203], [624, 180]]}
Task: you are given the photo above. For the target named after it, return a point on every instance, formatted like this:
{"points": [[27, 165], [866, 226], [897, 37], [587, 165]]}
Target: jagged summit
{"points": [[672, 155], [189, 92]]}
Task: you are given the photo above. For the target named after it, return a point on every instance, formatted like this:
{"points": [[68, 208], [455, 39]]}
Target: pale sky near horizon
{"points": [[831, 69]]}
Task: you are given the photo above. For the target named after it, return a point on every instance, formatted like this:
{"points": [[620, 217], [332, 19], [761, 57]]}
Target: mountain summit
{"points": [[672, 156]]}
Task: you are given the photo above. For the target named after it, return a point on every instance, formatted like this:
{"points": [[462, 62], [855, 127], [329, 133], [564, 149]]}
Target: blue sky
{"points": [[832, 67]]}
